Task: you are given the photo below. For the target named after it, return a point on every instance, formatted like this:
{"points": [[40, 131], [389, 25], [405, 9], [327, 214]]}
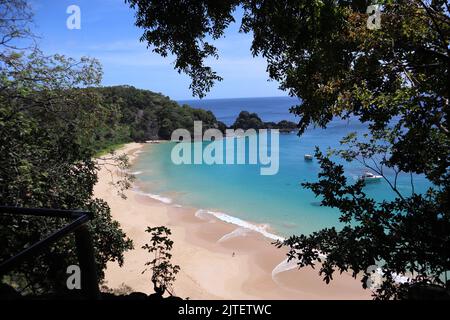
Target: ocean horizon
{"points": [[268, 108], [276, 206]]}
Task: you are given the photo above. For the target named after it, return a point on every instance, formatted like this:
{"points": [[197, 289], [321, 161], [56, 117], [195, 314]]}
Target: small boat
{"points": [[370, 177], [308, 157]]}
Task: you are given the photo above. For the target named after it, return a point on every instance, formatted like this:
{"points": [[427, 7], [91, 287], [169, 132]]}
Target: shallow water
{"points": [[238, 193]]}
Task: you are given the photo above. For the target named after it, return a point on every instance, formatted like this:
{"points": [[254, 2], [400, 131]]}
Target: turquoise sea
{"points": [[240, 195]]}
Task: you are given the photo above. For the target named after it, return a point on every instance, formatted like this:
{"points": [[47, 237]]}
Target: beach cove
{"points": [[218, 260]]}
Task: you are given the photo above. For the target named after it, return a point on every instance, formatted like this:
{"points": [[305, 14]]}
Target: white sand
{"points": [[208, 269]]}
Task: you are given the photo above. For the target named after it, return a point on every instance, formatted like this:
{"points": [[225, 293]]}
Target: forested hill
{"points": [[140, 115], [145, 115]]}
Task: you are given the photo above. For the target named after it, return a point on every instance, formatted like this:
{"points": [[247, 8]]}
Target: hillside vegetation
{"points": [[145, 115], [247, 120]]}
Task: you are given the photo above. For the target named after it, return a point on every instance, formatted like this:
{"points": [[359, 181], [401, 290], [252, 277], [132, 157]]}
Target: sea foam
{"points": [[284, 266], [262, 229], [157, 197], [238, 232], [287, 265]]}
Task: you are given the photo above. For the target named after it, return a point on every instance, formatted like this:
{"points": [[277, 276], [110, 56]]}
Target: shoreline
{"points": [[215, 261]]}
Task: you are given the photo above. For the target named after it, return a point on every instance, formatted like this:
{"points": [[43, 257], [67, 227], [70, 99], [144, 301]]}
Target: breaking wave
{"points": [[157, 197], [262, 229]]}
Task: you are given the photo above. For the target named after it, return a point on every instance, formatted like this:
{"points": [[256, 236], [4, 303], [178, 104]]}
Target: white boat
{"points": [[370, 177], [308, 157]]}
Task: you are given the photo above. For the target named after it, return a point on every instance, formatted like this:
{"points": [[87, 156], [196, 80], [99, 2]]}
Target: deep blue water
{"points": [[240, 191], [226, 110]]}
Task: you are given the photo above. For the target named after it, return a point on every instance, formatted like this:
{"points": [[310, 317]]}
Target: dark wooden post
{"points": [[86, 258]]}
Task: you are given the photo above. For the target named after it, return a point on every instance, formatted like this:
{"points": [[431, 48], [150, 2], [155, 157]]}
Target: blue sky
{"points": [[108, 34]]}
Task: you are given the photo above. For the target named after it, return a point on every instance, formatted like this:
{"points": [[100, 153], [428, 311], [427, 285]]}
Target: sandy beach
{"points": [[209, 269]]}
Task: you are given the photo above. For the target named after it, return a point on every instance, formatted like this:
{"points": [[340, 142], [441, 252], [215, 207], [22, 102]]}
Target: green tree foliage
{"points": [[46, 130], [49, 124], [149, 115], [394, 78], [247, 120], [15, 17], [163, 271], [180, 29]]}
